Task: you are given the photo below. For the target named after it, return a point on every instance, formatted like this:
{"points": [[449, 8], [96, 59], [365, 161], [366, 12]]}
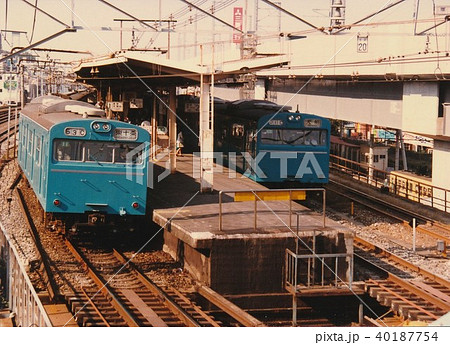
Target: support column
{"points": [[370, 162], [206, 137], [402, 144], [397, 150], [172, 129], [154, 138], [22, 85], [260, 89]]}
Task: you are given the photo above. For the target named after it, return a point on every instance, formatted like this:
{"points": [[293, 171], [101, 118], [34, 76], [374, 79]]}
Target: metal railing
{"points": [[8, 131], [21, 295], [261, 194], [295, 268], [361, 171], [292, 280], [408, 188]]}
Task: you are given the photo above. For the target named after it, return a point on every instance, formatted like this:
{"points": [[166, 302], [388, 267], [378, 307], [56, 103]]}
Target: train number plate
{"points": [[276, 122], [74, 132], [125, 134]]}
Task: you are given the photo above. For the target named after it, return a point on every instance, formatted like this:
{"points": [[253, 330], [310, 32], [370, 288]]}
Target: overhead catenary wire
{"points": [[34, 22]]}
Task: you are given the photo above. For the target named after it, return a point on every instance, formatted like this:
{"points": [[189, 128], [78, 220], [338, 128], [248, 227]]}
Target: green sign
{"points": [[10, 84]]}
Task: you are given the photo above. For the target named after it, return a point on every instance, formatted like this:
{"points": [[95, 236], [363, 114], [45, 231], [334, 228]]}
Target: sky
{"points": [[99, 34]]}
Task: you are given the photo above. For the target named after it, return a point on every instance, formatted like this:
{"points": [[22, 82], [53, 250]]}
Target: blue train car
{"points": [[84, 168], [269, 144]]}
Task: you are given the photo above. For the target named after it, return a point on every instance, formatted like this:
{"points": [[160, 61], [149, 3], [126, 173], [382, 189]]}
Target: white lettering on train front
{"points": [[303, 169]]}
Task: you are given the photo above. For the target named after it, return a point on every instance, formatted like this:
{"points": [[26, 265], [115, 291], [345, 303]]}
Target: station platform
{"points": [[239, 258]]}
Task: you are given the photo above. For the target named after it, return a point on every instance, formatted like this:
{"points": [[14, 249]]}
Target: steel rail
{"points": [[407, 301], [162, 295], [403, 262], [103, 287], [230, 308], [436, 301], [99, 313], [371, 206], [49, 282], [196, 308], [419, 292], [428, 232]]}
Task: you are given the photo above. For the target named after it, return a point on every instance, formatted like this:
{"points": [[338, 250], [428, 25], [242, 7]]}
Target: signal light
{"points": [[56, 202], [135, 205]]}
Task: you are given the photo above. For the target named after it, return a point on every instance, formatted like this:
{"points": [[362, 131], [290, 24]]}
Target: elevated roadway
{"points": [[393, 74]]}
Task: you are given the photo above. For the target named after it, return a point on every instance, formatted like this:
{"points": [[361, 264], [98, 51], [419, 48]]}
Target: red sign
{"points": [[237, 23]]}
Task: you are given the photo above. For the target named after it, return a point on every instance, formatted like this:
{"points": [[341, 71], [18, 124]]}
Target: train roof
{"points": [[254, 108], [50, 110]]}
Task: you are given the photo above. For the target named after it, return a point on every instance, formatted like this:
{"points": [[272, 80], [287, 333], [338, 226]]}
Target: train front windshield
{"points": [[295, 137], [97, 151]]}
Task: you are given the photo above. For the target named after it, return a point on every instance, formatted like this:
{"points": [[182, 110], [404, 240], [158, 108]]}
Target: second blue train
{"points": [[268, 143]]}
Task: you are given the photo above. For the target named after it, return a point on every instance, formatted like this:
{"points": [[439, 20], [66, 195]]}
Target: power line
{"points": [[34, 22]]}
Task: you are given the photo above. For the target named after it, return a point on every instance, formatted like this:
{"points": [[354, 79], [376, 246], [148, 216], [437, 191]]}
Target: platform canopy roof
{"points": [[155, 68]]}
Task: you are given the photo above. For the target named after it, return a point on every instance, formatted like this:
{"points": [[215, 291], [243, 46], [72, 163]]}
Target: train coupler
{"points": [[96, 219]]}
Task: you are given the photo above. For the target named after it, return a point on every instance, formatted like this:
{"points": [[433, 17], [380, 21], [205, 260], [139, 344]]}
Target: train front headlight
{"points": [[135, 205], [56, 202]]}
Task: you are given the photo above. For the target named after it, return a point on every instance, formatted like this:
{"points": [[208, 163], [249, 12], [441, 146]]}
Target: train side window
{"points": [[30, 141], [24, 137], [37, 152]]}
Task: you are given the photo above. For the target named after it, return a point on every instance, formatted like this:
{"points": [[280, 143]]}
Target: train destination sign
{"points": [[125, 134]]}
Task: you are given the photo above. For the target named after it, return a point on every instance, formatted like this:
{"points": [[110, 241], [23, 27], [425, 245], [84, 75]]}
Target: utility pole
{"points": [[256, 15], [337, 13]]}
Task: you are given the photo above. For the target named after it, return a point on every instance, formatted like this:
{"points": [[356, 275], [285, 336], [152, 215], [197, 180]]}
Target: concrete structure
{"points": [[391, 73], [238, 258]]}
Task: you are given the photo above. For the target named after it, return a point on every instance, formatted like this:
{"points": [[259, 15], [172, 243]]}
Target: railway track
{"points": [[137, 300], [398, 285], [108, 289], [426, 225], [43, 268], [4, 130]]}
